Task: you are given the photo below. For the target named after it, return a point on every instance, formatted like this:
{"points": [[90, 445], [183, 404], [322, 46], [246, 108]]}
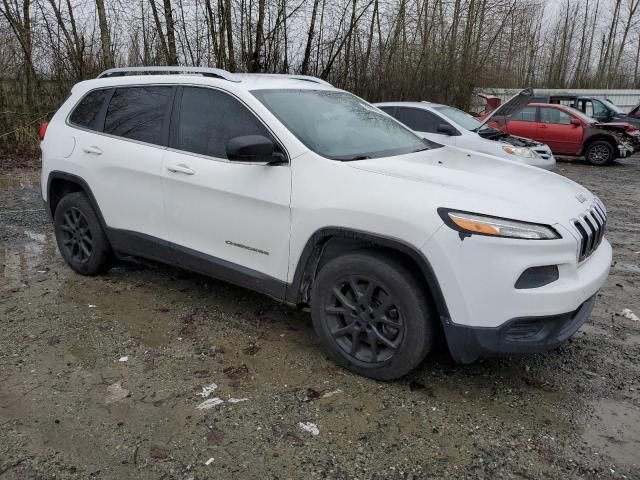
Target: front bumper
{"points": [[477, 276], [520, 335]]}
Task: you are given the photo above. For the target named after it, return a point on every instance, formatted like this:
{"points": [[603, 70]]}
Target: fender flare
{"points": [[58, 175], [313, 249]]}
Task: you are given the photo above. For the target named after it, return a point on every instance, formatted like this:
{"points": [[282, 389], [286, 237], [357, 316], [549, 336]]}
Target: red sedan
{"points": [[570, 133]]}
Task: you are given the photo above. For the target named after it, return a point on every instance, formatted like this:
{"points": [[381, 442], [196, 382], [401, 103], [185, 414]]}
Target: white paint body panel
{"points": [[225, 204]]}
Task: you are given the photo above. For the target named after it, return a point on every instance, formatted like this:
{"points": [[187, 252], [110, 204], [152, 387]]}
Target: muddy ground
{"points": [[72, 407]]}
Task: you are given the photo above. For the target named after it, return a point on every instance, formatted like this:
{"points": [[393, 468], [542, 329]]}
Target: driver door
{"points": [[227, 219], [556, 130]]}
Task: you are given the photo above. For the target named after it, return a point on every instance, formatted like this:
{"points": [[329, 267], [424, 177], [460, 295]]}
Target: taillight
{"points": [[43, 130]]}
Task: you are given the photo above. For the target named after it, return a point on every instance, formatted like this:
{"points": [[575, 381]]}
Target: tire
{"points": [[81, 240], [390, 319], [600, 153]]}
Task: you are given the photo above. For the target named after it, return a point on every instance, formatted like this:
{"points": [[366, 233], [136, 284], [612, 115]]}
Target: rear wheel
{"points": [[600, 153], [80, 238], [371, 315]]}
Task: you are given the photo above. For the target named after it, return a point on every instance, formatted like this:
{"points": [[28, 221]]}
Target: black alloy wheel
{"points": [[364, 319], [372, 314], [81, 240], [76, 236]]}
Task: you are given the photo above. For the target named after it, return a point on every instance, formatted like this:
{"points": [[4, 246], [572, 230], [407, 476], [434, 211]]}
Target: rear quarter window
{"points": [[87, 111]]}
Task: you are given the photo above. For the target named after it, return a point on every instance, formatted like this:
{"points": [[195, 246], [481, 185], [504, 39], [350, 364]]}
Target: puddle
{"points": [[20, 180], [18, 262], [615, 432]]}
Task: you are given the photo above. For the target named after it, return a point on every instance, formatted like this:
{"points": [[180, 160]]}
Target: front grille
{"points": [[590, 227]]}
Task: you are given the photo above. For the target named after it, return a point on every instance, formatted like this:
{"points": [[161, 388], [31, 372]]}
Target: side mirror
{"points": [[447, 129], [575, 122], [250, 148]]}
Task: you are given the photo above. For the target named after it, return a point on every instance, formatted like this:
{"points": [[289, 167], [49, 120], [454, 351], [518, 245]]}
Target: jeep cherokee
{"points": [[304, 192]]}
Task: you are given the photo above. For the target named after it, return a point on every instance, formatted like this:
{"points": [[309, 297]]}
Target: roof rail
{"points": [[305, 78], [204, 71], [308, 78]]}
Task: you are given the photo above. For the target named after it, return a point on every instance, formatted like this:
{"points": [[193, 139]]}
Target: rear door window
{"points": [[210, 118], [139, 113], [527, 114], [418, 120], [87, 111], [553, 115]]}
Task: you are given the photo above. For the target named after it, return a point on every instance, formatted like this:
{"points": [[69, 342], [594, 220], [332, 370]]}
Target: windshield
{"points": [[613, 107], [339, 125], [581, 114], [461, 118]]}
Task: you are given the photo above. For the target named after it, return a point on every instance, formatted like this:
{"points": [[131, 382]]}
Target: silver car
{"points": [[449, 126]]}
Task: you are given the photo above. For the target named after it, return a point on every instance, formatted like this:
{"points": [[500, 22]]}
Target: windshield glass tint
{"points": [[579, 113], [461, 118], [613, 107], [339, 125]]}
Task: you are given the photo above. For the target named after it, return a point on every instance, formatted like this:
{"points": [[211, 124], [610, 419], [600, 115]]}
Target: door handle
{"points": [[180, 169], [93, 150], [542, 125]]}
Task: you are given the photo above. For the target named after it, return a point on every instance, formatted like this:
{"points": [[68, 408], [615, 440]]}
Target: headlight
{"points": [[476, 224], [520, 151]]}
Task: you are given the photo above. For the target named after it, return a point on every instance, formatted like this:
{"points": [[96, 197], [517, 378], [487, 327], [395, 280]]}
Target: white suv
{"points": [[306, 193]]}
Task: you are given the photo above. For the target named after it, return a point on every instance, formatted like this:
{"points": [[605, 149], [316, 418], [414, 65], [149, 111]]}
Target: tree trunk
{"points": [[254, 64], [105, 36], [172, 57], [307, 50], [229, 28]]}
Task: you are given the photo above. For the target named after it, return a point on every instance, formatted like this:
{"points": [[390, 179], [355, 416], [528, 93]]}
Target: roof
{"points": [[203, 76]]}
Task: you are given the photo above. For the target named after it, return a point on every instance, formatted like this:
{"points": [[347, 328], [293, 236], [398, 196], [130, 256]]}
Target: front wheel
{"points": [[371, 315], [600, 153], [80, 238]]}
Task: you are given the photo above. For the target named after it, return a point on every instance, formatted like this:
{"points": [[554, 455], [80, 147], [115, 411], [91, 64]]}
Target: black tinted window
{"points": [[527, 114], [209, 119], [86, 113], [418, 120], [138, 113]]}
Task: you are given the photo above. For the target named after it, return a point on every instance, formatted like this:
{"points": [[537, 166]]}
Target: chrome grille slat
{"points": [[591, 232], [590, 228]]}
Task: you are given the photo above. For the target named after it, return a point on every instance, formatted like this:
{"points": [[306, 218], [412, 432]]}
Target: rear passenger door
{"points": [[524, 123], [122, 156], [227, 219]]}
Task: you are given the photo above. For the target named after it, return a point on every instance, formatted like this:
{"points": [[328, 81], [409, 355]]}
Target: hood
{"points": [[511, 106], [618, 126], [470, 181]]}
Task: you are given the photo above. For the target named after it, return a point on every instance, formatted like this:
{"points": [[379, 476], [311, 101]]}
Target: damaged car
{"points": [[569, 132], [450, 126], [601, 109]]}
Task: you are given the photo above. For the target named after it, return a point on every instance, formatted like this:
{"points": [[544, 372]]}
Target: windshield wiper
{"points": [[421, 149], [356, 157]]}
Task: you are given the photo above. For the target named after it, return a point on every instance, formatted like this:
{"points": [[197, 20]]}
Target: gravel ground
{"points": [[102, 377]]}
